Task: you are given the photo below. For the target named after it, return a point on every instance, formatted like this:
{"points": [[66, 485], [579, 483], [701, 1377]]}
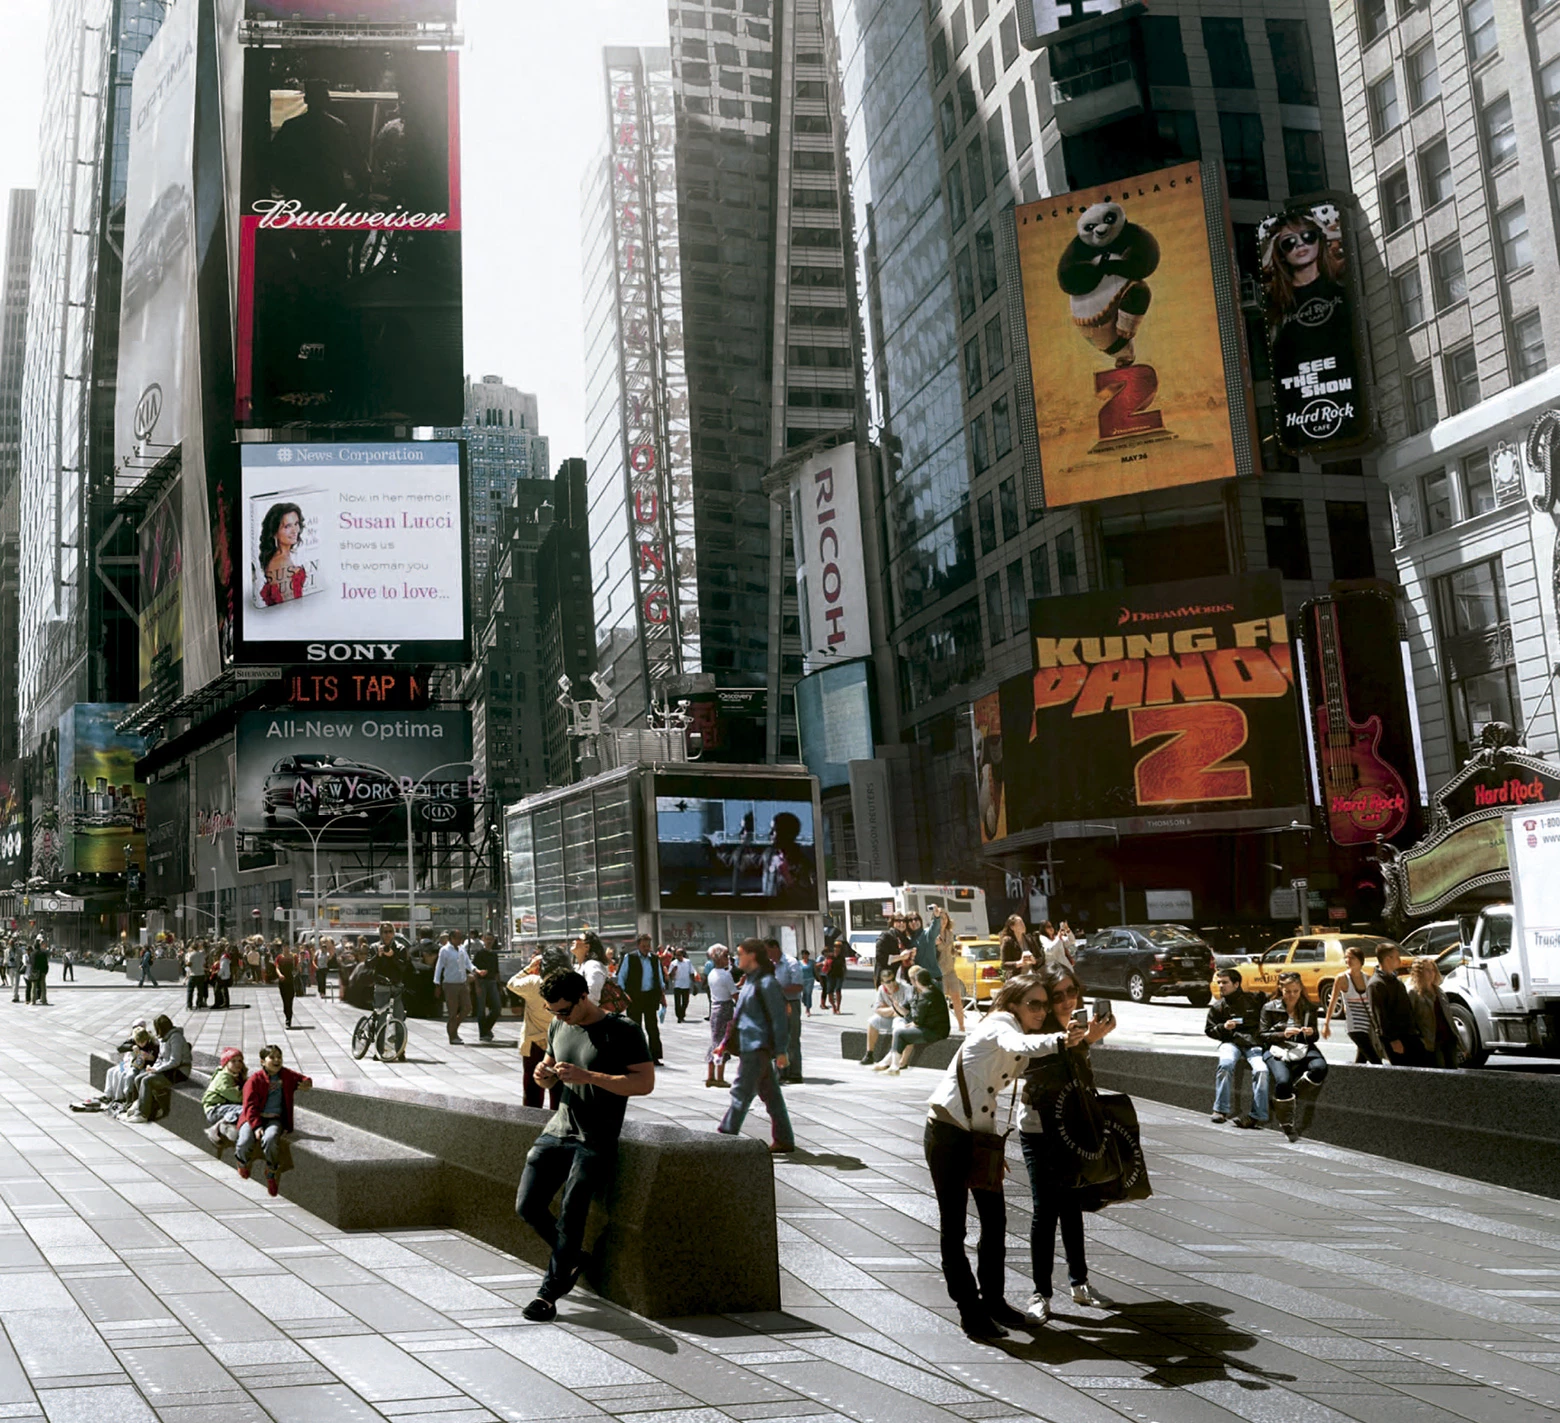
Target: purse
{"points": [[988, 1149], [1091, 1138]]}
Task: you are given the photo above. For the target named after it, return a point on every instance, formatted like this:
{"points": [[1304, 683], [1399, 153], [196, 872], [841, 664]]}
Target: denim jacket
{"points": [[760, 1016]]}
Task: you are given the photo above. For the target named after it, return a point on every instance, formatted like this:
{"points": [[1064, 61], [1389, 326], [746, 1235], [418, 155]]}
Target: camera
{"points": [[1080, 1016]]}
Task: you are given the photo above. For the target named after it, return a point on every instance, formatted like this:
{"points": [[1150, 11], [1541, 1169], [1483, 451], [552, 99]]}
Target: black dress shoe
{"points": [[978, 1324], [1004, 1314]]}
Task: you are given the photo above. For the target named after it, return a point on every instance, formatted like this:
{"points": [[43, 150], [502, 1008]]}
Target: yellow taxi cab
{"points": [[1317, 958], [979, 966]]}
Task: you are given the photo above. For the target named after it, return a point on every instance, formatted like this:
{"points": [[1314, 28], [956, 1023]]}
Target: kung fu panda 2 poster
{"points": [[1122, 310]]}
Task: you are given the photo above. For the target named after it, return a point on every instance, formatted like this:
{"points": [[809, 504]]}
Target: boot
{"points": [[1284, 1115]]}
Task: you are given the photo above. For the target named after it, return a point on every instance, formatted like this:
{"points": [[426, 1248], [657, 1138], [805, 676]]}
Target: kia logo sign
{"points": [[148, 411], [439, 812]]}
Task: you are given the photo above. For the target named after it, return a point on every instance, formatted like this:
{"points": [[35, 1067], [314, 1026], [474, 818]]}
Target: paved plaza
{"points": [[140, 1279]]}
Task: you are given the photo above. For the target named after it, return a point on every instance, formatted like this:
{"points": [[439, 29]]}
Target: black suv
{"points": [[1148, 961]]}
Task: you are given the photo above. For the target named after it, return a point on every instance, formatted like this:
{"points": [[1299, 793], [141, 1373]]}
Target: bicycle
{"points": [[386, 1034]]}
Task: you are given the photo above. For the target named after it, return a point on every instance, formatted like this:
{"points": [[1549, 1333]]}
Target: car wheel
{"points": [[1137, 988], [1467, 1029], [1199, 998]]}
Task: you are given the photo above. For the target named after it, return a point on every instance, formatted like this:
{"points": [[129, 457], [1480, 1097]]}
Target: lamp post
{"points": [[1121, 884], [314, 839]]}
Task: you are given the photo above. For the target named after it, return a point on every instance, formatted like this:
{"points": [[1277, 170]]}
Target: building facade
{"points": [[13, 360]]}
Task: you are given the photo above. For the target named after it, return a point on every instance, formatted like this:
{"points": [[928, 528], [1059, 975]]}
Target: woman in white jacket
{"points": [[989, 1062]]}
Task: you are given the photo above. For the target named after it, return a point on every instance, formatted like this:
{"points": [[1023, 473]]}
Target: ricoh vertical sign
{"points": [[826, 524], [656, 445]]}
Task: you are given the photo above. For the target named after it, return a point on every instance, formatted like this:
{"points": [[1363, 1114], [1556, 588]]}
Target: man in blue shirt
{"points": [[452, 978], [641, 978], [788, 974], [759, 1033]]}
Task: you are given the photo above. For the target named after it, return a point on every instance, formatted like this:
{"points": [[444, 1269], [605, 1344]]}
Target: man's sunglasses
{"points": [[562, 1010], [1309, 238]]}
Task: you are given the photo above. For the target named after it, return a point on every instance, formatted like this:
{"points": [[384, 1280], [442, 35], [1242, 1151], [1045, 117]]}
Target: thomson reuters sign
{"points": [[826, 518]]}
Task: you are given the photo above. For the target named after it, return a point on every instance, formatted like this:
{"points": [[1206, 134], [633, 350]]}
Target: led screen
{"points": [[735, 844]]}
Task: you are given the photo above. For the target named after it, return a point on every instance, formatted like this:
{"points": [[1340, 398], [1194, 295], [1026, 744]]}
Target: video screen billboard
{"points": [[1321, 399], [101, 806], [13, 824], [353, 554], [733, 724], [834, 721], [349, 293], [743, 844], [369, 12], [161, 539], [1125, 343], [159, 241], [304, 769], [1165, 708], [169, 870]]}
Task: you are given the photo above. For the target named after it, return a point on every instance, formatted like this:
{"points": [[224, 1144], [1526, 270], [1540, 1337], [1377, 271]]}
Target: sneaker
{"points": [[243, 1170], [273, 1183], [866, 1057], [1038, 1310], [540, 1310], [1082, 1294], [1249, 1123], [1005, 1315], [979, 1325], [133, 1117], [1219, 1117]]}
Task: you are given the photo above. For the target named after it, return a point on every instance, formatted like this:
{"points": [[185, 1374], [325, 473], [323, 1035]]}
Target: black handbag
{"points": [[1090, 1139], [988, 1149]]}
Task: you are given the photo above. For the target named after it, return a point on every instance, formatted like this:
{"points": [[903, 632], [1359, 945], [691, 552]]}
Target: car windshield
{"points": [[1167, 934]]}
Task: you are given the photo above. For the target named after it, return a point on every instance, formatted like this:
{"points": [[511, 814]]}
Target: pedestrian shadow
{"points": [[820, 1158], [626, 1327], [1180, 1343]]}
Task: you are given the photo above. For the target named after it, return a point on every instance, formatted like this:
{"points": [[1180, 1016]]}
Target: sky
{"points": [[533, 115]]}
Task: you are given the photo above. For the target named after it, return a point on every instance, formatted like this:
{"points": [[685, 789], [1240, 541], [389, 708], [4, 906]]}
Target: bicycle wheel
{"points": [[392, 1040], [363, 1037]]}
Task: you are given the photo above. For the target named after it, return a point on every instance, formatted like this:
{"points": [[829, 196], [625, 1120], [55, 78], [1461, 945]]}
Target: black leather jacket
{"points": [[1242, 1004], [1275, 1018]]}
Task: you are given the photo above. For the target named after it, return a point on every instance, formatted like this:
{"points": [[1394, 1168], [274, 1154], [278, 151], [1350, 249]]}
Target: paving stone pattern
{"points": [[141, 1280]]}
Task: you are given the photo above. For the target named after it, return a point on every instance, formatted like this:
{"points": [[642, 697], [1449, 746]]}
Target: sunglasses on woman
{"points": [[1309, 238]]}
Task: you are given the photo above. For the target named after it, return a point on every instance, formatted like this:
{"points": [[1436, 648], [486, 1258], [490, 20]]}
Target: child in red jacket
{"points": [[267, 1112]]}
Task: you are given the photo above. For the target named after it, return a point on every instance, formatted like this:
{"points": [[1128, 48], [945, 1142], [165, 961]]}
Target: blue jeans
{"points": [[756, 1075], [1313, 1064], [1224, 1080], [269, 1134], [579, 1169]]}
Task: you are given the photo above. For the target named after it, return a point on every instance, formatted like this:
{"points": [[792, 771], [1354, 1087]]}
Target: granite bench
{"points": [[853, 1047]]}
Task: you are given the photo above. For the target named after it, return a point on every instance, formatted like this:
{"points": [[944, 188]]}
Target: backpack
{"points": [[613, 998]]}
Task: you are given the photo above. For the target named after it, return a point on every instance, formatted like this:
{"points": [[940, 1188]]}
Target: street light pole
{"points": [[314, 841]]}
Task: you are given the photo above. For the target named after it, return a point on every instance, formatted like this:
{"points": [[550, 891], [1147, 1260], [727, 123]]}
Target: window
{"points": [[1511, 231], [1422, 411], [1462, 380], [955, 198], [949, 121], [1179, 133], [972, 380], [994, 608], [1007, 501], [997, 148], [1040, 570], [1373, 20], [1549, 93], [1283, 522], [1409, 289], [961, 29], [964, 275], [1229, 61], [1500, 132], [1018, 108], [1478, 485], [1290, 43], [1348, 537], [1439, 514], [1303, 160], [968, 106], [996, 362], [939, 57], [1001, 427], [980, 446], [986, 516], [1478, 658], [1396, 207], [975, 165], [1446, 267], [1244, 167], [988, 68], [1163, 50], [1018, 600], [1479, 17], [1527, 341], [1424, 79], [1066, 562], [1385, 112], [986, 261], [1435, 173], [1010, 45]]}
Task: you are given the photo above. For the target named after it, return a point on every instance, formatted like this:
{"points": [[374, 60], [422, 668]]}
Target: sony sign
{"points": [[826, 517]]}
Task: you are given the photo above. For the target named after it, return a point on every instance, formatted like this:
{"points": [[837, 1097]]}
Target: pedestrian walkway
{"points": [[141, 1279]]}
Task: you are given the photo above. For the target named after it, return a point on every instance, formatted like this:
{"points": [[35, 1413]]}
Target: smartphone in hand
{"points": [[1080, 1016]]}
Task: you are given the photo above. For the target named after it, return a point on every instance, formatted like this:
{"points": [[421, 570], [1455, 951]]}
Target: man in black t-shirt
{"points": [[601, 1060], [486, 990]]}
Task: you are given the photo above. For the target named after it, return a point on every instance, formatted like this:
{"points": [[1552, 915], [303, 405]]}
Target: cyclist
{"points": [[390, 983]]}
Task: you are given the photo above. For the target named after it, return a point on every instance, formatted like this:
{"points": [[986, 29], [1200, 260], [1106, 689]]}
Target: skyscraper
{"points": [[13, 354]]}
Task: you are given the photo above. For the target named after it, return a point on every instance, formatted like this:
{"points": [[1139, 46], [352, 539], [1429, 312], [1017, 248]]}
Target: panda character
{"points": [[1102, 272]]}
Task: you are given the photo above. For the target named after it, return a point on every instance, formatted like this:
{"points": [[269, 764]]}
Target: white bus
{"points": [[863, 908]]}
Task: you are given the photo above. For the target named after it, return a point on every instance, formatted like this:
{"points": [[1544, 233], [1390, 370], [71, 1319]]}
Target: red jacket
{"points": [[258, 1088]]}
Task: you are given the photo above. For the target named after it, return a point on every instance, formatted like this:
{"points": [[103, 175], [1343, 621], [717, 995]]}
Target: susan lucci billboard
{"points": [[1149, 710], [1135, 342]]}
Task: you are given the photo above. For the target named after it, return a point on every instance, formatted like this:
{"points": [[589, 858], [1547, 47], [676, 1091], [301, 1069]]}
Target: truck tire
{"points": [[1474, 1054]]}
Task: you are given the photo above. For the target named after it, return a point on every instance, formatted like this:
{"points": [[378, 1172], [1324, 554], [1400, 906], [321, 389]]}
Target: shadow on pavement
{"points": [[818, 1158]]}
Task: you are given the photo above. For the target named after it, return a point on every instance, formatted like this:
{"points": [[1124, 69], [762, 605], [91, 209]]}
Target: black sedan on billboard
{"points": [[1147, 961], [310, 788]]}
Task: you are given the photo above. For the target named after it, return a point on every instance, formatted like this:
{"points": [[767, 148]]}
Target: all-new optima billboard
{"points": [[1130, 316], [306, 769], [353, 554], [102, 806], [349, 275], [1166, 708], [830, 572], [1321, 399]]}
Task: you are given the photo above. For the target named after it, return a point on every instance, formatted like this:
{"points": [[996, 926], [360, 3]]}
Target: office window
{"points": [[1479, 18], [996, 361], [1435, 173], [939, 57], [964, 276], [1040, 571], [1446, 267], [1527, 346], [1373, 19], [1018, 110], [1396, 206], [994, 609], [955, 198], [1424, 78], [1500, 132], [968, 105], [1549, 94], [1163, 50], [948, 120], [1283, 523], [1066, 563], [1179, 134], [980, 10], [986, 261], [1245, 169], [1422, 411], [975, 165], [988, 68], [1474, 623], [1010, 44], [972, 378], [1511, 231], [1462, 380], [1439, 514], [1007, 501], [1348, 537], [1290, 42], [1229, 61], [997, 148], [1303, 160], [961, 29], [1001, 428], [1409, 289], [1018, 599], [986, 517], [980, 447], [1385, 112], [1478, 485]]}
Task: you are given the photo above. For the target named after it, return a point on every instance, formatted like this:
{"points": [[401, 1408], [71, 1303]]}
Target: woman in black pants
{"points": [[976, 1095]]}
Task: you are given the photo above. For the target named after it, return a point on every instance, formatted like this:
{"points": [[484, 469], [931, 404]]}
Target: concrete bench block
{"points": [[853, 1047]]}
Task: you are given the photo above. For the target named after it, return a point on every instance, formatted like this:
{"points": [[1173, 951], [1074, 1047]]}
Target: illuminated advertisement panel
{"points": [[1128, 357], [162, 596], [353, 554], [101, 806], [834, 721], [349, 264], [830, 567]]}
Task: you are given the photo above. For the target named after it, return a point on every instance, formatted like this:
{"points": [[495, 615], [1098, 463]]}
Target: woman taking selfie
{"points": [[967, 1112], [1055, 1198]]}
